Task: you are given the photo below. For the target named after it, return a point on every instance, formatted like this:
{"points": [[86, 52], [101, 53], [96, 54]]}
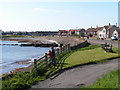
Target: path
{"points": [[96, 41], [79, 76]]}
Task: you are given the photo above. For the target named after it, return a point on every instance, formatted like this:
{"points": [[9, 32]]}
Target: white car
{"points": [[114, 38]]}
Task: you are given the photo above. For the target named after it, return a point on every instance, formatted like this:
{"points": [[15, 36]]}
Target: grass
{"points": [[88, 55], [20, 81], [109, 80], [24, 80]]}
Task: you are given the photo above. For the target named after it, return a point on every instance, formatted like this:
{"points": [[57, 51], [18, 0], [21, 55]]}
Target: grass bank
{"points": [[110, 80], [24, 80], [87, 55]]}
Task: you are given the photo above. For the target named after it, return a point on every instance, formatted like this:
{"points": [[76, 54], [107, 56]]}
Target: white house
{"points": [[102, 33], [116, 33], [80, 32], [107, 31]]}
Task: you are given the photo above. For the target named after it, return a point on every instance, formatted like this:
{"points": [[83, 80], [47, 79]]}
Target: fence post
{"points": [[111, 47], [57, 51], [61, 47], [68, 46], [105, 46], [35, 64], [65, 47], [46, 58]]}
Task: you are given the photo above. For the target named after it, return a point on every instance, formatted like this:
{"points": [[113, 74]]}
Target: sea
{"points": [[12, 55]]}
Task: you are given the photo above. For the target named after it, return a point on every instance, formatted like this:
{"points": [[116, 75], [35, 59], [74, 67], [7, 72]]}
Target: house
{"points": [[107, 31], [70, 32], [80, 32], [91, 32], [116, 33], [110, 30], [101, 32], [63, 32]]}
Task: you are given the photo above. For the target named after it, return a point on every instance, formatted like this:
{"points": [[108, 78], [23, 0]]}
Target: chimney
{"points": [[91, 26], [109, 24]]}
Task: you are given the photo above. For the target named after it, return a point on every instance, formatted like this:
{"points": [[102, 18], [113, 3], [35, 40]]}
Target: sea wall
{"points": [[80, 45]]}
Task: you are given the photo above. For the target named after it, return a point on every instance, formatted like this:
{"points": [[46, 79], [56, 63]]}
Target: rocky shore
{"points": [[48, 40]]}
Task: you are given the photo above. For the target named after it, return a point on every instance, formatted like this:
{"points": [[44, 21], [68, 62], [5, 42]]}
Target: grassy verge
{"points": [[23, 80], [109, 80]]}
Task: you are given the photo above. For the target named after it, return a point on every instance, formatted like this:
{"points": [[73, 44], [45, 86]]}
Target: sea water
{"points": [[11, 55]]}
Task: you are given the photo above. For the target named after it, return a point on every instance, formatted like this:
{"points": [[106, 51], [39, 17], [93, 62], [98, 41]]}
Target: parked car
{"points": [[114, 38]]}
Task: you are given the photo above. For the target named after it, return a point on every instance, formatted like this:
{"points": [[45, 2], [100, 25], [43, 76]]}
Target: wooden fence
{"points": [[45, 61]]}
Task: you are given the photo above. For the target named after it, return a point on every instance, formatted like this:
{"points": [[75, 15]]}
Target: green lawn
{"points": [[86, 56], [110, 80]]}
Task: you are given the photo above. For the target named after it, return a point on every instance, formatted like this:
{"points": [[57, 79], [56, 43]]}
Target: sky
{"points": [[52, 16]]}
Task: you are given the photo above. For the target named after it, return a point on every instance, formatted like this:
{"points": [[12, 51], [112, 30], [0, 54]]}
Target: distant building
{"points": [[44, 33], [91, 32], [107, 31], [102, 32], [63, 32], [116, 33], [70, 32]]}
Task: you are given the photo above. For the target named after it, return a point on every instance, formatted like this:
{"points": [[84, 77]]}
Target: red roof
{"points": [[99, 28], [107, 26], [63, 30], [90, 29]]}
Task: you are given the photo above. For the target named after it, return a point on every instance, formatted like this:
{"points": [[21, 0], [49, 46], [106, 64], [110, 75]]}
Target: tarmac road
{"points": [[96, 41], [79, 76]]}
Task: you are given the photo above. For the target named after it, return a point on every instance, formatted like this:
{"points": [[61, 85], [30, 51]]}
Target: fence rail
{"points": [[46, 61]]}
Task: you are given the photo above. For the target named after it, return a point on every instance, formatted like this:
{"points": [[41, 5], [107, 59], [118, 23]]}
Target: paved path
{"points": [[95, 41], [80, 76]]}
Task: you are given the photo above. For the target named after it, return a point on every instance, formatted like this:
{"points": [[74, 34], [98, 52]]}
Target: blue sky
{"points": [[51, 16]]}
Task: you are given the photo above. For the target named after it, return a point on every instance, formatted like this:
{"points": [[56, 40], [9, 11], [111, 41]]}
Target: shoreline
{"points": [[27, 69], [48, 40], [59, 40], [28, 66]]}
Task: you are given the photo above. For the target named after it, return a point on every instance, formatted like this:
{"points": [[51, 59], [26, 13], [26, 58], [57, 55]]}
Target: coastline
{"points": [[57, 40]]}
